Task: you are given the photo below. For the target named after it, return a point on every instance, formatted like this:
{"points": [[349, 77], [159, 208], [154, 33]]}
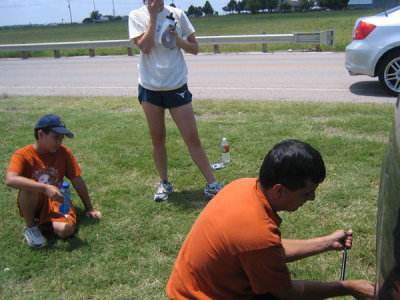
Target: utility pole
{"points": [[94, 6], [69, 6], [113, 8]]}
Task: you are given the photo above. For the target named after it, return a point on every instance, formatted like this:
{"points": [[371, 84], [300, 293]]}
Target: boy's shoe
{"points": [[165, 188], [210, 192], [34, 237]]}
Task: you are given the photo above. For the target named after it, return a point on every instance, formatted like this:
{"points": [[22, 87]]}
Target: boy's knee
{"points": [[24, 196], [63, 230]]}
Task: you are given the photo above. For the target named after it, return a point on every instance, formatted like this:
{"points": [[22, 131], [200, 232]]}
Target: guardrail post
{"points": [[25, 54], [264, 45], [216, 49], [92, 53], [57, 54], [130, 51]]}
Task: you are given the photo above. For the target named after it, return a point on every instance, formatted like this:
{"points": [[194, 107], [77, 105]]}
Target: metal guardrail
{"points": [[316, 38]]}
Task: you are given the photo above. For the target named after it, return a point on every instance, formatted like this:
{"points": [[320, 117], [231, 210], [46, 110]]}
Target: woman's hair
{"points": [[291, 163]]}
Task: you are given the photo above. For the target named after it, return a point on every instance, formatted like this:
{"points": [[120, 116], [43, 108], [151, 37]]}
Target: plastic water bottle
{"points": [[226, 155], [66, 192], [165, 37]]}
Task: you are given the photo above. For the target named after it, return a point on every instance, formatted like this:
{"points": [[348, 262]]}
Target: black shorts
{"points": [[166, 99]]}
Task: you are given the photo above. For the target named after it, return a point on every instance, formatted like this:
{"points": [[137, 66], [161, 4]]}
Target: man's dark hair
{"points": [[291, 163], [45, 129]]}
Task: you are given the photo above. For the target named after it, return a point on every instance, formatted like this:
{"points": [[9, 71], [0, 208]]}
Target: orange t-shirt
{"points": [[49, 168], [233, 250]]}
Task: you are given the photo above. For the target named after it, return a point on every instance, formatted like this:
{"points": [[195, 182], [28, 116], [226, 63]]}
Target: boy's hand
{"points": [[54, 193], [93, 213]]}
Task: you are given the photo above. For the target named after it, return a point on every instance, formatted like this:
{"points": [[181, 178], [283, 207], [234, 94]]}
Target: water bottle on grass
{"points": [[226, 155]]}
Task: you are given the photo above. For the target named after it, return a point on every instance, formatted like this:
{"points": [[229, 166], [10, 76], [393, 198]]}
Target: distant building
{"points": [[103, 19], [384, 4]]}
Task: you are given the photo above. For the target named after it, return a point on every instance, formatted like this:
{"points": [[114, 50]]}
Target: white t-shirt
{"points": [[163, 68]]}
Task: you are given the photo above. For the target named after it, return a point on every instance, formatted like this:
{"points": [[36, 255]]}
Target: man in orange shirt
{"points": [[37, 171], [235, 251]]}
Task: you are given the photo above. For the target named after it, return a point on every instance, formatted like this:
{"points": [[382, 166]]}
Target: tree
{"points": [[241, 6], [271, 5], [285, 7], [207, 9], [190, 11], [253, 6], [333, 4], [87, 21], [172, 4], [231, 7], [305, 4], [194, 11], [263, 4], [95, 15]]}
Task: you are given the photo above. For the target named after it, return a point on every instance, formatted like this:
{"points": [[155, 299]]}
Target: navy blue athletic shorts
{"points": [[166, 99]]}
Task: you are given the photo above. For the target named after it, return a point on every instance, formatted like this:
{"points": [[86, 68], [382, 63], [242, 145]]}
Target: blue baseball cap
{"points": [[55, 123]]}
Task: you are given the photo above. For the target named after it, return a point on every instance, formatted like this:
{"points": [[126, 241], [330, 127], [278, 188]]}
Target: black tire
{"points": [[389, 73]]}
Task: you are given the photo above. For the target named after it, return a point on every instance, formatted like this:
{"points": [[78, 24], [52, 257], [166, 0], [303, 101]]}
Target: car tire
{"points": [[389, 73]]}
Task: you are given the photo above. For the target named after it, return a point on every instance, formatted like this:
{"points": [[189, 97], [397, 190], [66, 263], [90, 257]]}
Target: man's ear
{"points": [[279, 190]]}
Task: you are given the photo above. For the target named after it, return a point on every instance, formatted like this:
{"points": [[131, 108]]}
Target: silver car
{"points": [[375, 49]]}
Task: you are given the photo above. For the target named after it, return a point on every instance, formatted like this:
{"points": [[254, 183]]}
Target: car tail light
{"points": [[363, 30]]}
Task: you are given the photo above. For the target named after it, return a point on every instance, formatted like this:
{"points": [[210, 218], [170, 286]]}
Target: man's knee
{"points": [[63, 230]]}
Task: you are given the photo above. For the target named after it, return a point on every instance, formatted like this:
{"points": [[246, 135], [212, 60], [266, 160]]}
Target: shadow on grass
{"points": [[368, 88], [191, 199]]}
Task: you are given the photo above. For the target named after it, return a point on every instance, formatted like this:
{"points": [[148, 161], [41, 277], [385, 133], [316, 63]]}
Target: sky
{"points": [[23, 12]]}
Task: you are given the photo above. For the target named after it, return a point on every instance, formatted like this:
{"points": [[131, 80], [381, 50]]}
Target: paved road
{"points": [[284, 76]]}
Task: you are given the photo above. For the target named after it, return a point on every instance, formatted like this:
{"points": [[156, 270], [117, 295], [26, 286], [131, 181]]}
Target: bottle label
{"points": [[225, 148]]}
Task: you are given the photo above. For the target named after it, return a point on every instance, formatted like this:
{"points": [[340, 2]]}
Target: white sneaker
{"points": [[165, 188], [211, 192], [34, 237]]}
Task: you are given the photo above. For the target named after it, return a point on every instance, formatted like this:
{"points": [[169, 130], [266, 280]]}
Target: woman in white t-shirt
{"points": [[161, 32]]}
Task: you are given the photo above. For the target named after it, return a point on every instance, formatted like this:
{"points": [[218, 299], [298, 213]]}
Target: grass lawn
{"points": [[277, 23], [130, 252]]}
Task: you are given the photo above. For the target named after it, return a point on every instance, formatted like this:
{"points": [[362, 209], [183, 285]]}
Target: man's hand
{"points": [[361, 289], [340, 239], [94, 213]]}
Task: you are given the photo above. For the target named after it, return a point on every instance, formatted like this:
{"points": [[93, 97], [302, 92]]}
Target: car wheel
{"points": [[389, 73]]}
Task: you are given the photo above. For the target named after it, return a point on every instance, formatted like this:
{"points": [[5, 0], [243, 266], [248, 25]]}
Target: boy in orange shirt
{"points": [[37, 171]]}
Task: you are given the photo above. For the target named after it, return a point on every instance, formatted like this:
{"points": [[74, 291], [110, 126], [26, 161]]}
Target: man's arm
{"points": [[81, 188], [298, 249], [313, 290], [17, 181], [146, 41]]}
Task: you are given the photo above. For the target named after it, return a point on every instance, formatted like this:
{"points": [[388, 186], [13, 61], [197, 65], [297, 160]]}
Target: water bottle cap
{"points": [[65, 185], [224, 139]]}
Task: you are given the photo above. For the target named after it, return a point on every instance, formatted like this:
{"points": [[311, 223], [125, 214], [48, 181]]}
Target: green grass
{"points": [[341, 21], [130, 252]]}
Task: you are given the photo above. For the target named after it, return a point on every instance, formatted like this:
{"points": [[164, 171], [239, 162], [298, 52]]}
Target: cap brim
{"points": [[62, 130]]}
